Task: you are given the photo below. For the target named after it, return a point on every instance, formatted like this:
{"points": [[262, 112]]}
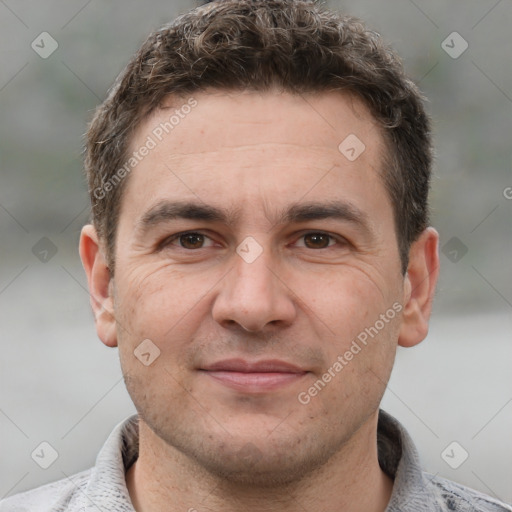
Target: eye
{"points": [[318, 240], [190, 240]]}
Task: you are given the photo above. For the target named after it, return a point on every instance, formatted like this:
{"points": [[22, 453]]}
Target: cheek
{"points": [[161, 305], [345, 301], [157, 314], [359, 331]]}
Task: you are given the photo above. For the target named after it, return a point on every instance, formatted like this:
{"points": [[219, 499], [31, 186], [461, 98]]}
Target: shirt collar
{"points": [[398, 457], [107, 489]]}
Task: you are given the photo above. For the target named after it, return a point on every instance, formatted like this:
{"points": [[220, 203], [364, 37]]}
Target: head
{"points": [[288, 142]]}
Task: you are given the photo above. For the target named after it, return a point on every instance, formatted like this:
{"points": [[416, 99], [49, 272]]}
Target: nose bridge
{"points": [[252, 270], [251, 295], [253, 283]]}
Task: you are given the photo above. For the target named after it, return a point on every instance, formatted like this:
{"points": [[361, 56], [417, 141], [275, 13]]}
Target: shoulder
{"points": [[61, 496], [454, 496], [416, 490], [102, 486]]}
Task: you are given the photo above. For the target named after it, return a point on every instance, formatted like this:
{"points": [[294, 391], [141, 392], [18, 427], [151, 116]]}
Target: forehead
{"points": [[314, 119], [232, 146]]}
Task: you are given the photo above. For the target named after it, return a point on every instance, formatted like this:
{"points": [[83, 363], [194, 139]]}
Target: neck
{"points": [[163, 478]]}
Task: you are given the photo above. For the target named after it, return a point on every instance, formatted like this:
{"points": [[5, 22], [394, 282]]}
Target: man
{"points": [[259, 247]]}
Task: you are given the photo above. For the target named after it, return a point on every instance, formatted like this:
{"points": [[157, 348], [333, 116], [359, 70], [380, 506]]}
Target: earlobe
{"points": [[419, 287], [100, 285]]}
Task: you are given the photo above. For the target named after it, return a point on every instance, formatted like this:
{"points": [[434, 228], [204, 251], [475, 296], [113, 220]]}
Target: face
{"points": [[261, 262]]}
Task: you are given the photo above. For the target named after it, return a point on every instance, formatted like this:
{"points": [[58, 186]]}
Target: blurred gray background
{"points": [[59, 384]]}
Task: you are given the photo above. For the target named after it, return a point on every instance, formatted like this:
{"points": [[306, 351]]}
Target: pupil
{"points": [[195, 240], [318, 237]]}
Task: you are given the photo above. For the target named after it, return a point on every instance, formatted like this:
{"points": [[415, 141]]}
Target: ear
{"points": [[100, 285], [419, 287]]}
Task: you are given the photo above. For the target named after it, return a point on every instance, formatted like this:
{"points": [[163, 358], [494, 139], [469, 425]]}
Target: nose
{"points": [[254, 296]]}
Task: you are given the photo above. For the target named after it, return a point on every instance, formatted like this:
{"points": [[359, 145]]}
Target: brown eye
{"points": [[187, 240], [317, 240], [191, 240]]}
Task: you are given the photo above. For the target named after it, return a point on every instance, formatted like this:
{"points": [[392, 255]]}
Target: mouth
{"points": [[254, 377]]}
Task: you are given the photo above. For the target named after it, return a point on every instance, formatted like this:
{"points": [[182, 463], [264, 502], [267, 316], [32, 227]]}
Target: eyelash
{"points": [[168, 241]]}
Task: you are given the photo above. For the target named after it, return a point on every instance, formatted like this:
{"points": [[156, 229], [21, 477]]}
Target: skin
{"points": [[304, 299]]}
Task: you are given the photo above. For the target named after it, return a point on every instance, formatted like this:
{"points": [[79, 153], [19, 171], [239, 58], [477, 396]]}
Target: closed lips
{"points": [[242, 366]]}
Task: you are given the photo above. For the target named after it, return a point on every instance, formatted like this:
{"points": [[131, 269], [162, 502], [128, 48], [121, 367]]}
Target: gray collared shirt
{"points": [[103, 487]]}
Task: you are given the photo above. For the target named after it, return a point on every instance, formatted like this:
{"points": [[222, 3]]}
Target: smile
{"points": [[254, 377]]}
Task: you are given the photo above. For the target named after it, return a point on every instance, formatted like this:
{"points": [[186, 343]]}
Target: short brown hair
{"points": [[296, 45]]}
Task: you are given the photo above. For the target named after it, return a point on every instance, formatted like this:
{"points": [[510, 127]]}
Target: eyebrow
{"points": [[165, 211]]}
